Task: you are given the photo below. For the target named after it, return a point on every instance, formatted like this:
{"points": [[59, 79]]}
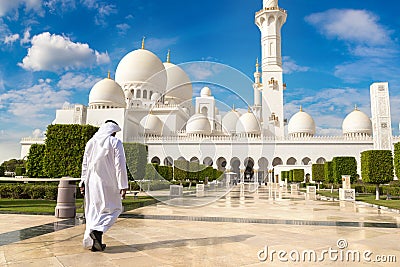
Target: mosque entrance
{"points": [[249, 171]]}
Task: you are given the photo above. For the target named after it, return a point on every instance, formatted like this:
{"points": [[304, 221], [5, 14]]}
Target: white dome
{"points": [[230, 120], [198, 124], [301, 122], [155, 97], [141, 66], [248, 123], [152, 124], [179, 86], [205, 92], [357, 122], [107, 92]]}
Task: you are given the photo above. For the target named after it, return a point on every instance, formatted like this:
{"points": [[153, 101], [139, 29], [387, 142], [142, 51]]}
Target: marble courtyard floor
{"points": [[238, 229]]}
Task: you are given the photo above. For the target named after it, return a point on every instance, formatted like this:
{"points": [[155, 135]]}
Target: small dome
{"points": [[107, 92], [301, 122], [205, 92], [141, 66], [155, 97], [248, 123], [357, 122], [198, 124], [179, 86], [152, 124], [230, 120]]}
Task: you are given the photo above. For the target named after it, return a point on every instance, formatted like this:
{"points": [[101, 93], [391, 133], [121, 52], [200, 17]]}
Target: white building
{"points": [[152, 102]]}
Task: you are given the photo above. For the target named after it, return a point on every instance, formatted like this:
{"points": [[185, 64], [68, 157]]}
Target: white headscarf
{"points": [[105, 131]]}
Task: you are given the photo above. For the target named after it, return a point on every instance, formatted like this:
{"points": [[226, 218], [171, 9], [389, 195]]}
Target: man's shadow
{"points": [[193, 242]]}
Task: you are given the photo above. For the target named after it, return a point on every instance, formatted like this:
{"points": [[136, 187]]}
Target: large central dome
{"points": [[141, 66]]}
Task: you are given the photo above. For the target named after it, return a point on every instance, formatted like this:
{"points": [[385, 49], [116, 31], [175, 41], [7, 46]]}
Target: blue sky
{"points": [[53, 51]]}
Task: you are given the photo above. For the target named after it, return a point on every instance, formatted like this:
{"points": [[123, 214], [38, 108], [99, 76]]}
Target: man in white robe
{"points": [[104, 182]]}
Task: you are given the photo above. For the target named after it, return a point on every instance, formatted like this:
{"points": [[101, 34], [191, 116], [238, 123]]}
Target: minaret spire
{"points": [[143, 42], [169, 56]]}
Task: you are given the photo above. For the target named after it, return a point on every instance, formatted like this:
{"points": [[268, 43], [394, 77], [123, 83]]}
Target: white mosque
{"points": [[153, 103]]}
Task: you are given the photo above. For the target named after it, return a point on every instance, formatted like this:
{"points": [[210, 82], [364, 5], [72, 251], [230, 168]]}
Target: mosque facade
{"points": [[153, 103]]}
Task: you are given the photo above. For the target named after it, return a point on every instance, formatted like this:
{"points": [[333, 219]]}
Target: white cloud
{"points": [[33, 105], [290, 66], [11, 39], [102, 10], [358, 26], [7, 6], [27, 36], [54, 52], [60, 5], [77, 81], [123, 28]]}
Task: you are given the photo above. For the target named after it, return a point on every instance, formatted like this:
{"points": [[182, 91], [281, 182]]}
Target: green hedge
{"points": [[20, 171], [35, 161], [218, 175], [193, 171], [377, 166], [397, 159], [344, 166], [2, 169], [181, 169], [328, 172], [298, 175], [151, 171], [29, 191], [136, 160], [65, 146], [291, 176], [318, 174], [166, 172], [284, 175]]}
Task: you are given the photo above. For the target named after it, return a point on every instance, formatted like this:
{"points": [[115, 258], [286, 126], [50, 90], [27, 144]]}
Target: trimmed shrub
{"points": [[136, 160], [166, 172], [180, 169], [35, 161], [19, 171], [206, 171], [298, 175], [29, 191], [284, 175], [344, 166], [193, 171], [397, 159], [2, 169], [151, 170], [218, 175], [328, 172], [318, 174], [377, 166], [291, 176], [65, 146]]}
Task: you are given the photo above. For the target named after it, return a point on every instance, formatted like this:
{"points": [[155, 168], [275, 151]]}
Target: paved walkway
{"points": [[239, 229]]}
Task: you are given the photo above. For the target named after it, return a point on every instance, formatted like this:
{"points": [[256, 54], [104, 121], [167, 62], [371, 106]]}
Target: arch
{"points": [[271, 19], [150, 94], [263, 164], [306, 161], [235, 166], [156, 160], [194, 159], [208, 161], [138, 93], [291, 161], [204, 111], [277, 161], [321, 160], [145, 94], [249, 169], [168, 161], [221, 163], [181, 158]]}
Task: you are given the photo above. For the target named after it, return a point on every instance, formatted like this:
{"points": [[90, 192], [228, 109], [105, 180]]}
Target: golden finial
{"points": [[233, 107], [169, 56], [248, 110], [143, 42], [355, 107], [109, 75], [257, 65], [301, 108]]}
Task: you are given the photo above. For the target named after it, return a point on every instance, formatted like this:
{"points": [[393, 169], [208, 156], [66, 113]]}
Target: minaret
{"points": [[257, 88], [270, 21], [381, 119]]}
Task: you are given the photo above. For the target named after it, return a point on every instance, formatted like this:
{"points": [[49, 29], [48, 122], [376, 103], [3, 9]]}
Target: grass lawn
{"points": [[47, 207], [368, 198]]}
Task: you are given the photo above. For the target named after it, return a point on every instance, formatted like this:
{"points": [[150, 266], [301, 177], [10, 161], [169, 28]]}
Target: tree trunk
{"points": [[377, 192]]}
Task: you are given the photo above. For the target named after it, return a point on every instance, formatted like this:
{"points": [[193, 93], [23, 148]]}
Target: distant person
{"points": [[104, 182]]}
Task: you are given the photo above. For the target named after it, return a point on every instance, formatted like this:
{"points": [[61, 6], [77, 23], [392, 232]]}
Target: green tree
{"points": [[344, 166], [377, 167], [65, 146], [166, 172], [180, 169], [298, 175], [136, 160], [12, 164], [318, 174], [397, 159], [35, 160], [328, 172]]}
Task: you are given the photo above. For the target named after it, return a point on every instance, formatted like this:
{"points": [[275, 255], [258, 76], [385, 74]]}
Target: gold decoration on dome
{"points": [[257, 65], [143, 42], [108, 74], [169, 56], [301, 108], [355, 107]]}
